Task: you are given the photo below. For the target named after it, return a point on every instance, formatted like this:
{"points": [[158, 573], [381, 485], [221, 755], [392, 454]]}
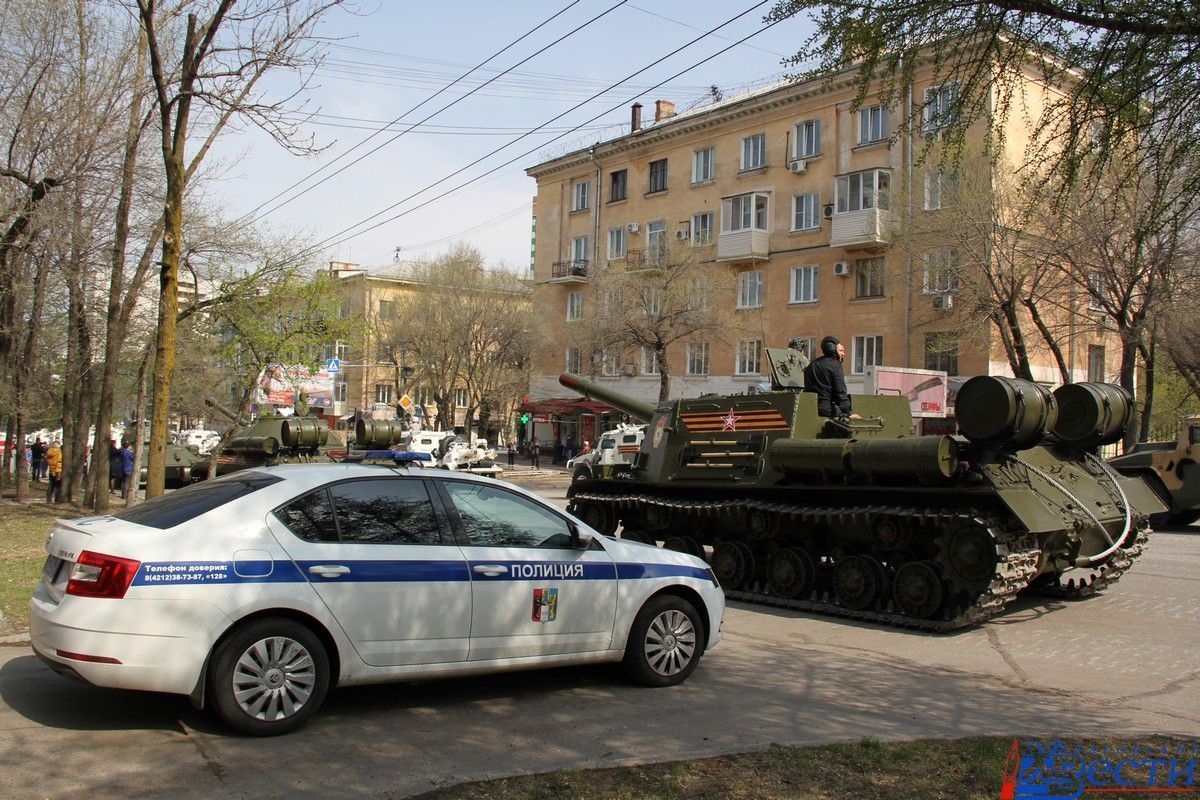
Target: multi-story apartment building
{"points": [[795, 191]]}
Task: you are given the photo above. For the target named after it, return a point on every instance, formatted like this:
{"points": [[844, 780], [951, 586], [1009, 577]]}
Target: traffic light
{"points": [[524, 418]]}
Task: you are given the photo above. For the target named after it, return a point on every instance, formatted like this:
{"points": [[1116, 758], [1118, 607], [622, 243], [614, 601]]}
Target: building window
{"points": [[423, 396], [697, 358], [336, 350], [652, 301], [750, 289], [649, 361], [699, 299], [702, 228], [940, 190], [941, 271], [749, 357], [618, 185], [613, 300], [656, 241], [704, 165], [579, 196], [872, 124], [387, 309], [383, 393], [1095, 362], [574, 306], [941, 352], [461, 398], [1095, 291], [868, 352], [573, 363], [808, 138], [804, 284], [868, 277], [754, 151], [744, 212], [940, 107], [609, 367], [579, 249], [658, 175], [861, 190], [339, 392], [616, 243], [806, 211]]}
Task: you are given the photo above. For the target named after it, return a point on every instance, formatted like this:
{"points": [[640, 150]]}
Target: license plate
{"points": [[50, 570]]}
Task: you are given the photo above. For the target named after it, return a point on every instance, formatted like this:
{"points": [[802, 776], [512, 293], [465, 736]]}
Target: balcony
{"points": [[860, 229], [652, 258], [750, 244], [574, 271]]}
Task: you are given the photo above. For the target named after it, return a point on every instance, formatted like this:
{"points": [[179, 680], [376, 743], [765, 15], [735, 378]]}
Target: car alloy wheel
{"points": [[665, 643]]}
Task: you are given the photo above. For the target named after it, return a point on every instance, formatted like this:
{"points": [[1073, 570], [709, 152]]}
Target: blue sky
{"points": [[386, 62]]}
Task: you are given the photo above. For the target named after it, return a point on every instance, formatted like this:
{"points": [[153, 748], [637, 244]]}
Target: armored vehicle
{"points": [[617, 446], [1171, 470], [860, 517], [183, 464], [267, 441]]}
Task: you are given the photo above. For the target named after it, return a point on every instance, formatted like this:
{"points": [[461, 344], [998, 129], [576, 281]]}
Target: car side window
{"points": [[495, 517], [310, 517], [385, 511]]}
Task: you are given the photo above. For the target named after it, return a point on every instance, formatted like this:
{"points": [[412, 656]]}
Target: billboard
{"points": [[925, 388], [279, 385]]}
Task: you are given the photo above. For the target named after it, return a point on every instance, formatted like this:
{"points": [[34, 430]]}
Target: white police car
{"points": [[259, 591]]}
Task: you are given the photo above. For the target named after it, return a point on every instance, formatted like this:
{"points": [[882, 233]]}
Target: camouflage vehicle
{"points": [[267, 441], [184, 464], [1171, 470], [861, 518]]}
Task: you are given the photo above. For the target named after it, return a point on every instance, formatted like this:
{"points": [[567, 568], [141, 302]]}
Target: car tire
{"points": [[665, 642], [269, 677]]}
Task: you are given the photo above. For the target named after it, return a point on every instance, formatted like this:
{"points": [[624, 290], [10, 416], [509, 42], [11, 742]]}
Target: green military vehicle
{"points": [[266, 441], [1171, 470], [862, 518]]}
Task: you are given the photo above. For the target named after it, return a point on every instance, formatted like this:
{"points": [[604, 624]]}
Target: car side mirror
{"points": [[580, 539]]}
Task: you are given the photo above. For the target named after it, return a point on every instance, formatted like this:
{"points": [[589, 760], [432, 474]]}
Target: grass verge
{"points": [[961, 769], [23, 531]]}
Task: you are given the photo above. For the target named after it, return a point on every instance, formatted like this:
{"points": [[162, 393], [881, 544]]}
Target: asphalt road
{"points": [[1121, 663]]}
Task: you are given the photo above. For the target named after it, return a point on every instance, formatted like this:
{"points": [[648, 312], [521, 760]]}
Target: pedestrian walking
{"points": [[114, 466], [512, 454], [534, 453], [126, 470], [37, 456], [54, 473]]}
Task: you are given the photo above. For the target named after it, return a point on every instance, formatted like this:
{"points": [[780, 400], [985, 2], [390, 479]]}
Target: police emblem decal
{"points": [[545, 605]]}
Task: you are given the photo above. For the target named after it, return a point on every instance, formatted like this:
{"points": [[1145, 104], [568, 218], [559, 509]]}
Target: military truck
{"points": [[1171, 469], [860, 517]]}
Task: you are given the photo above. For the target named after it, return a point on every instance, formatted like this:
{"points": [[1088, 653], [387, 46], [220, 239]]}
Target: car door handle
{"points": [[329, 570], [491, 570]]}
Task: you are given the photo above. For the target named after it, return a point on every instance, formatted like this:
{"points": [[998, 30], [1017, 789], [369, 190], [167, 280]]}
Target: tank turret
{"points": [[268, 440], [858, 516]]}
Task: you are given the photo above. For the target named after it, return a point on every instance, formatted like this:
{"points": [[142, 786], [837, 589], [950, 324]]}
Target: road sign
{"points": [[334, 365], [406, 403]]}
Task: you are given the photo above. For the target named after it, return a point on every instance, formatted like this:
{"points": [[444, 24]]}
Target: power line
{"points": [[333, 239], [378, 147]]}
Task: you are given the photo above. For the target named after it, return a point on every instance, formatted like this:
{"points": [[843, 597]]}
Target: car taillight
{"points": [[97, 575]]}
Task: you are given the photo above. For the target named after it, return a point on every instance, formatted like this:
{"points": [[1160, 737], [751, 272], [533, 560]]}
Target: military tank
{"points": [[267, 441], [860, 517]]}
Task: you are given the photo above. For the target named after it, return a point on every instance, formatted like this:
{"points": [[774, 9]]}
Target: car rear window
{"points": [[170, 510]]}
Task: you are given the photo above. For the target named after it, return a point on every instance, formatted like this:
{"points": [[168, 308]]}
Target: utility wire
{"points": [[333, 239], [251, 215]]}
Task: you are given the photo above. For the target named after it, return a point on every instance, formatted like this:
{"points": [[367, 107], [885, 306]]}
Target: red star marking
{"points": [[730, 421]]}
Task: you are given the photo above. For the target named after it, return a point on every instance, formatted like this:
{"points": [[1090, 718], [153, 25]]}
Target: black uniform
{"points": [[824, 376]]}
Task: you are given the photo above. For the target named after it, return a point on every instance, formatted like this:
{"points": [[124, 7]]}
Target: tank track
{"points": [[1016, 565], [1093, 580]]}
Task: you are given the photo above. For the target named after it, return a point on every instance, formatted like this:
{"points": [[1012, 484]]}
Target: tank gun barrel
{"points": [[222, 410], [629, 405]]}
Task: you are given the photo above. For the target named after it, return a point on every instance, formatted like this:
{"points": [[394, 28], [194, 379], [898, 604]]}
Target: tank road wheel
{"points": [[637, 535], [968, 555], [891, 534], [858, 581], [760, 524], [791, 573], [684, 544], [599, 516], [733, 564], [918, 590], [656, 518]]}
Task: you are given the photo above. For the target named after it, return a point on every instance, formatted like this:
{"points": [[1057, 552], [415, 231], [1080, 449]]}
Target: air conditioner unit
{"points": [[943, 302], [829, 211], [683, 234], [798, 166], [842, 268], [632, 227]]}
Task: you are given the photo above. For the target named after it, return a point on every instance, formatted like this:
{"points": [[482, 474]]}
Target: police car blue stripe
{"points": [[548, 570], [633, 571], [159, 573], [393, 571]]}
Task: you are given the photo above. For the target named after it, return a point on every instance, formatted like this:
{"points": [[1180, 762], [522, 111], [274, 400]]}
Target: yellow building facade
{"points": [[796, 192]]}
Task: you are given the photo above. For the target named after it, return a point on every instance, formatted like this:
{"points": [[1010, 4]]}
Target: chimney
{"points": [[635, 118], [663, 109]]}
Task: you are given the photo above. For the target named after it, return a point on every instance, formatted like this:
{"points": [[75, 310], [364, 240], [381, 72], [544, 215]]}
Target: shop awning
{"points": [[566, 407]]}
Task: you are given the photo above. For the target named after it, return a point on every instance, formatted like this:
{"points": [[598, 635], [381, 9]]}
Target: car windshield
{"points": [[190, 502]]}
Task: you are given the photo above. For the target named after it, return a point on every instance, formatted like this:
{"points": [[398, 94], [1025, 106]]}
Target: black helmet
{"points": [[829, 346], [798, 343]]}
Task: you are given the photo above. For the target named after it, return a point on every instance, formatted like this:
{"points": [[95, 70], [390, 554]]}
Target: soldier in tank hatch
{"points": [[824, 376]]}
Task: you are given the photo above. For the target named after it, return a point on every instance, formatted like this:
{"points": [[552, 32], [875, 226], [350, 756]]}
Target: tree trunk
{"points": [[1148, 357], [1128, 381], [24, 373], [139, 425], [1049, 338], [664, 375], [6, 462]]}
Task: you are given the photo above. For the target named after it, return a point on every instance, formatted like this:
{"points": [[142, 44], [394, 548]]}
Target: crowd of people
{"points": [[46, 464]]}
